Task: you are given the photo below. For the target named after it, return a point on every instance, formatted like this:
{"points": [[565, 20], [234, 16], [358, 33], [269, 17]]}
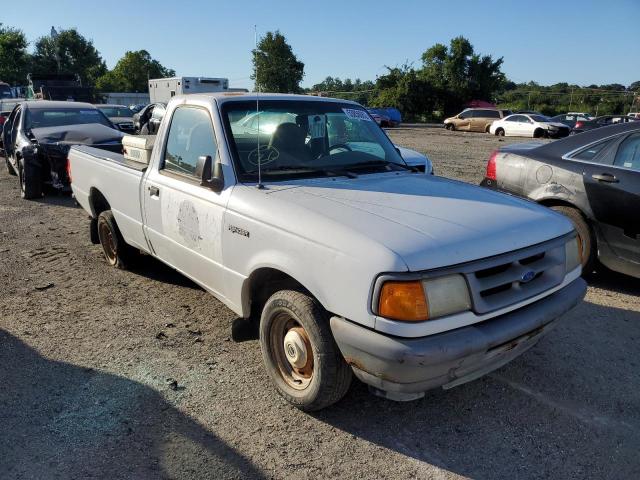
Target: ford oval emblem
{"points": [[527, 276]]}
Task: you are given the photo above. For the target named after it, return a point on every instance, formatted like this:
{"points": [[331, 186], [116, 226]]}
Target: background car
{"points": [[534, 126], [592, 178], [475, 119], [37, 137], [120, 115], [570, 119], [147, 120], [598, 122]]}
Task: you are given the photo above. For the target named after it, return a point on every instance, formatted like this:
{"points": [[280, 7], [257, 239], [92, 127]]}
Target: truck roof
{"points": [[59, 104], [223, 97]]}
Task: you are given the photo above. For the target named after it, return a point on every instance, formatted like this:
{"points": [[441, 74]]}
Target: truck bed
{"points": [[95, 173]]}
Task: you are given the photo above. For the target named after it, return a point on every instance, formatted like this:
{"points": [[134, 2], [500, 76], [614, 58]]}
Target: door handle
{"points": [[605, 177], [154, 191]]}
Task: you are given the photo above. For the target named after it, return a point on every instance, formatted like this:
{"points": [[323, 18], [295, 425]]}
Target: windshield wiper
{"points": [[305, 169], [381, 163]]}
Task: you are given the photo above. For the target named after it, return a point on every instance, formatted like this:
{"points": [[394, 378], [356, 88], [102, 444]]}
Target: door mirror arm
{"points": [[210, 174]]}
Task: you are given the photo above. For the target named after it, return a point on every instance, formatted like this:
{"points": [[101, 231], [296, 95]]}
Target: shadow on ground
{"points": [[569, 408], [63, 421]]}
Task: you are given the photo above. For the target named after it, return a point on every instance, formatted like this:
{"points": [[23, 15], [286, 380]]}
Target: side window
{"points": [[514, 118], [465, 115], [628, 154], [492, 114], [589, 153], [190, 136]]}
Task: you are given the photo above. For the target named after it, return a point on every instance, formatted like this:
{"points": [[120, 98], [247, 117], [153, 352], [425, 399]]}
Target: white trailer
{"points": [[163, 89]]}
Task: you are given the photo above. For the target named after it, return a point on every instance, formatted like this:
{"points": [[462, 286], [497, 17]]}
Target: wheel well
{"points": [[98, 202], [263, 283], [555, 202]]}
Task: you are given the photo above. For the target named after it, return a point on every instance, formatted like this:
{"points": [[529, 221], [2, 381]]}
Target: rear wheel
{"points": [[116, 250], [500, 132], [585, 235], [30, 180], [299, 352]]}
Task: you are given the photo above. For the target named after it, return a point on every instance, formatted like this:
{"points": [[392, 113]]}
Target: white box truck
{"points": [[163, 89]]}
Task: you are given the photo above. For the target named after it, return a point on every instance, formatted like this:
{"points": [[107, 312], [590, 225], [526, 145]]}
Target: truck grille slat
{"points": [[513, 277]]}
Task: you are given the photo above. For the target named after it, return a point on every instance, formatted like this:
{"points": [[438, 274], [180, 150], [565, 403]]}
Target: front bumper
{"points": [[404, 368]]}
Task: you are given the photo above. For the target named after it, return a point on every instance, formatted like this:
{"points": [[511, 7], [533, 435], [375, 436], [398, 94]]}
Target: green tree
{"points": [[403, 88], [68, 52], [14, 58], [458, 74], [132, 72], [276, 68]]}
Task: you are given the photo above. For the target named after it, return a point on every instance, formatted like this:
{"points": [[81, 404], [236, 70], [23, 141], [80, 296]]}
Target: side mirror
{"points": [[210, 175]]}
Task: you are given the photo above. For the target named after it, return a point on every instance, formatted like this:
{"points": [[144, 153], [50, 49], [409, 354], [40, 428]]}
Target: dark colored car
{"points": [[120, 115], [570, 119], [37, 137], [147, 121], [603, 121], [592, 178]]}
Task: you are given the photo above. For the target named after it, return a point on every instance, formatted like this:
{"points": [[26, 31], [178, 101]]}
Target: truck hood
{"points": [[428, 221], [84, 134]]}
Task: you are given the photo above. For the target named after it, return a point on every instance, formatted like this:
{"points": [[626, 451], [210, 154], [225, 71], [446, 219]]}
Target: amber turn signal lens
{"points": [[403, 301]]}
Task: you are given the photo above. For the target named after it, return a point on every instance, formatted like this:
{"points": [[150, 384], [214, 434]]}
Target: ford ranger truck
{"points": [[299, 212]]}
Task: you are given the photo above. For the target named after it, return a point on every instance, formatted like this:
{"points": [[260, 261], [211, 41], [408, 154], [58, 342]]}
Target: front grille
{"points": [[510, 278]]}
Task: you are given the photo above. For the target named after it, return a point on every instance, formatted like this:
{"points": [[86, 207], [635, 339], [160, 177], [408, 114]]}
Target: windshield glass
{"points": [[5, 91], [294, 138], [57, 117], [117, 111], [539, 118]]}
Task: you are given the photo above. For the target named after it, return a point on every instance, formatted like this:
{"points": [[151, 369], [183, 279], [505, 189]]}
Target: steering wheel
{"points": [[341, 145]]}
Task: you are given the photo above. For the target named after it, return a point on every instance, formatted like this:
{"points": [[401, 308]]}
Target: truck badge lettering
{"points": [[239, 231]]}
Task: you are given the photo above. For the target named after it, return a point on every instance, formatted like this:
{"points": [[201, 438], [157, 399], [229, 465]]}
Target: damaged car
{"points": [[593, 179], [37, 136]]}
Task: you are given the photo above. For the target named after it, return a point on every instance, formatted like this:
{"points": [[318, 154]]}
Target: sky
{"points": [[580, 42]]}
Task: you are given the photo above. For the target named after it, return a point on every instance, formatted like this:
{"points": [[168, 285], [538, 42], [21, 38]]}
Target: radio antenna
{"points": [[255, 60]]}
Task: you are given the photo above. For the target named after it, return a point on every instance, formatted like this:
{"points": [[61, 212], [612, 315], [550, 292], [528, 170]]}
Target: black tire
{"points": [[9, 167], [540, 133], [500, 132], [450, 126], [325, 377], [116, 251], [30, 180], [487, 129], [587, 238]]}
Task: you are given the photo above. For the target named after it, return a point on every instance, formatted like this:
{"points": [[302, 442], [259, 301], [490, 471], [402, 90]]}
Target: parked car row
{"points": [[528, 123]]}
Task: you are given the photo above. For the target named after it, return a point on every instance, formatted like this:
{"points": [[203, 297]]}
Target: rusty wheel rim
{"points": [[292, 351], [108, 243]]}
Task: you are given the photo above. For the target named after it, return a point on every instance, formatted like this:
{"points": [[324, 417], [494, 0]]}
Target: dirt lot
{"points": [[136, 374]]}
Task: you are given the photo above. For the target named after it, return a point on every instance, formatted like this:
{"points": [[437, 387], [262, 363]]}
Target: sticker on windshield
{"points": [[356, 114], [317, 126]]}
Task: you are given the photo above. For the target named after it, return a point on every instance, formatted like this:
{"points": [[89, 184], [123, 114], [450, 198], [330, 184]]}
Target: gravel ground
{"points": [[141, 374]]}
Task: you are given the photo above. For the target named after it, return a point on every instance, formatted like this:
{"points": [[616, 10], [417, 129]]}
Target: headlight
{"points": [[416, 301], [573, 254]]}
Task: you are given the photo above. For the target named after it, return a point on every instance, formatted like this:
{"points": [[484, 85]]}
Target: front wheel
{"points": [[299, 352], [585, 235], [500, 132], [450, 126], [9, 167]]}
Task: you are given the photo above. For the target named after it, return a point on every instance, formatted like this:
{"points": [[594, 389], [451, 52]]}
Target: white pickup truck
{"points": [[299, 212]]}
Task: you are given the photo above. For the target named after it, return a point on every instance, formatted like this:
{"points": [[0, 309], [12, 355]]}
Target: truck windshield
{"points": [[58, 117], [297, 138]]}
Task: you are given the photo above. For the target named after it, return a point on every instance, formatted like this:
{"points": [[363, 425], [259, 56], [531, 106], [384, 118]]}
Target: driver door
{"points": [[183, 219], [613, 190]]}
